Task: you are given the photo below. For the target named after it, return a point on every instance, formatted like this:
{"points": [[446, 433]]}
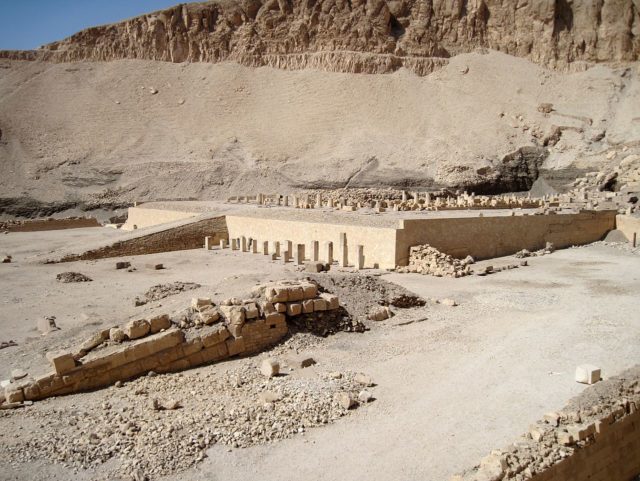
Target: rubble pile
{"points": [[67, 277], [427, 260], [549, 249]]}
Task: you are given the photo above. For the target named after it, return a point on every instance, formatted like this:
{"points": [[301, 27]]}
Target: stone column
{"points": [[265, 248], [315, 247], [286, 200], [207, 243], [285, 256], [288, 246], [318, 201], [243, 243], [254, 246], [223, 243], [234, 244]]}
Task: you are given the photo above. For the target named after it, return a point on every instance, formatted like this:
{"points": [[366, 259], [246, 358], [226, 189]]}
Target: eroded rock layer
{"points": [[372, 36]]}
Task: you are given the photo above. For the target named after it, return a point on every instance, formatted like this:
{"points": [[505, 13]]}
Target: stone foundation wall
{"points": [[189, 236], [629, 225]]}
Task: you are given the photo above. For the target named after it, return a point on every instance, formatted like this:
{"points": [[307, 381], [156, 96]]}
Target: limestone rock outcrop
{"points": [[372, 36]]}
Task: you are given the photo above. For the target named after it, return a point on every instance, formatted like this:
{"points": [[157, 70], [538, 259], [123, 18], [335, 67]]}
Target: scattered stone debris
{"points": [[300, 361], [123, 265], [47, 324], [549, 249], [161, 291], [234, 408], [156, 267], [72, 277], [7, 259], [448, 302], [317, 267], [427, 260]]}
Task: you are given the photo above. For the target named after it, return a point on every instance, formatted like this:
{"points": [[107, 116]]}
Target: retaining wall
{"points": [[496, 236]]}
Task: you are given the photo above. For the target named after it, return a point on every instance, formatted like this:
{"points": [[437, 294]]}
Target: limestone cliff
{"points": [[370, 36]]}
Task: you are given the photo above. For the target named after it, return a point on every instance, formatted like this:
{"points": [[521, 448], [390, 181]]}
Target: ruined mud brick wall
{"points": [[189, 236], [234, 328], [141, 217], [494, 236], [596, 438]]}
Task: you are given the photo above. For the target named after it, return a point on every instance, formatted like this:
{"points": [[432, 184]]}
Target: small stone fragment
{"points": [[587, 374], [344, 400], [363, 379], [365, 396], [116, 334]]}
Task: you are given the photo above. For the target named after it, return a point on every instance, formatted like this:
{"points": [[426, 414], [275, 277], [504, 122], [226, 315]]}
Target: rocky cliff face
{"points": [[370, 36]]}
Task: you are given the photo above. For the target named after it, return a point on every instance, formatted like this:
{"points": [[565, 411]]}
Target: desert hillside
{"points": [[104, 117]]}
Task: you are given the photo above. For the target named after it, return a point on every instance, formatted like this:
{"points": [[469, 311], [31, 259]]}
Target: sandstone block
{"points": [[344, 400], [270, 367], [365, 396], [116, 334], [314, 267], [309, 291], [13, 394], [251, 311], [62, 362], [363, 379], [307, 306], [215, 336], [235, 346], [277, 294], [294, 308], [319, 304], [379, 313], [158, 323], [332, 301], [235, 318], [266, 308], [123, 265], [137, 328], [197, 303], [209, 315], [587, 374], [275, 318], [94, 341], [281, 307], [296, 293]]}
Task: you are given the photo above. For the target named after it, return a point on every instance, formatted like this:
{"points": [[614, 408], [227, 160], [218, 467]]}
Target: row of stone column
{"points": [[287, 251]]}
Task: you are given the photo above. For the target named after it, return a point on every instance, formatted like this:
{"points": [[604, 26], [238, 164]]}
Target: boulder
{"points": [[158, 323], [344, 400], [116, 334]]}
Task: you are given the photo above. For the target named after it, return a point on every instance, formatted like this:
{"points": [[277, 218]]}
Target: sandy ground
{"points": [[451, 385]]}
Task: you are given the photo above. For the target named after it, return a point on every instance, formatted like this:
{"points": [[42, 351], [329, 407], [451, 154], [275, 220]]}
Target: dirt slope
{"points": [[95, 131]]}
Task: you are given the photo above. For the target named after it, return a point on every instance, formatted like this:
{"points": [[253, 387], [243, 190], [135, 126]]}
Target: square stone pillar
{"points": [[254, 246], [234, 244], [315, 254], [223, 243], [276, 248], [343, 260], [359, 257], [207, 243], [328, 252], [299, 252], [265, 248], [243, 243]]}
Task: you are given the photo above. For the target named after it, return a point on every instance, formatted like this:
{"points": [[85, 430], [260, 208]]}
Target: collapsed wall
{"points": [[595, 437], [207, 333]]}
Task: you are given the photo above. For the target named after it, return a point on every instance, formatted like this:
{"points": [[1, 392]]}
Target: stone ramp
{"points": [[179, 235]]}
